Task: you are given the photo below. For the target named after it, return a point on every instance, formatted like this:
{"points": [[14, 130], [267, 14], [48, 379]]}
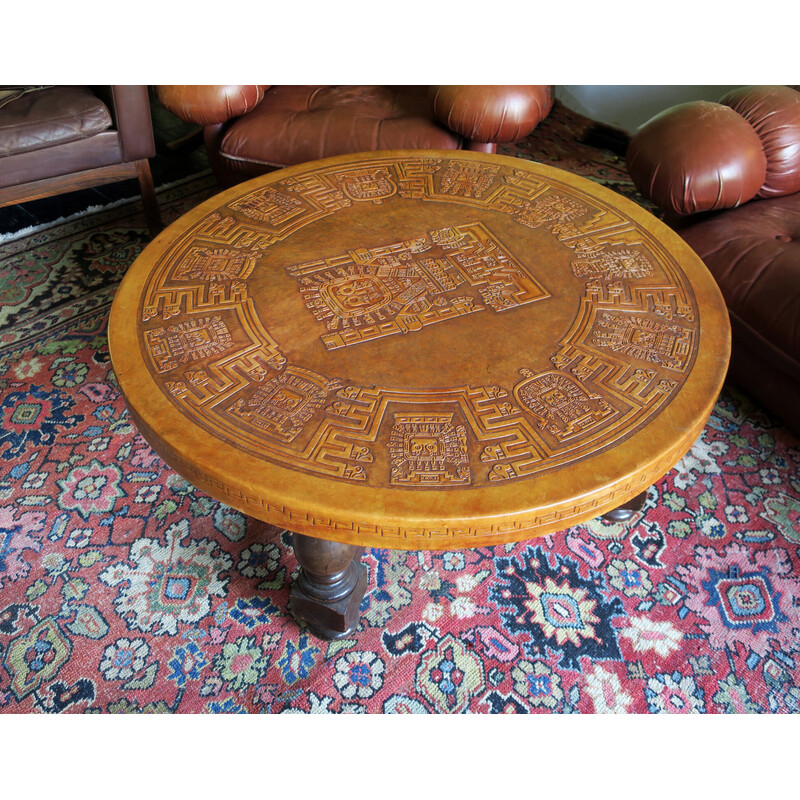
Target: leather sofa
{"points": [[727, 176], [56, 139], [250, 130]]}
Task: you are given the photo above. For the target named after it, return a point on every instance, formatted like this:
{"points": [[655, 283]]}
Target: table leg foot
{"points": [[626, 510], [328, 592]]}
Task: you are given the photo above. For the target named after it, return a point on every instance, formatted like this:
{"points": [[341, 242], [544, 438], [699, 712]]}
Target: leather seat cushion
{"points": [[753, 252], [51, 116], [293, 124]]}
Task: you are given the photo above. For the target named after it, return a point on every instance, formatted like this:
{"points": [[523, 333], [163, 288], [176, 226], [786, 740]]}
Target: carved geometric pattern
{"points": [[619, 263], [405, 286], [188, 341], [213, 349], [425, 536], [283, 404], [639, 337], [560, 404], [214, 264], [467, 179], [427, 450]]}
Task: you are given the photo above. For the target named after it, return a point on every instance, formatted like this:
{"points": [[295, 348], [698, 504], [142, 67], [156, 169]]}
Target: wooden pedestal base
{"points": [[627, 510], [328, 592]]}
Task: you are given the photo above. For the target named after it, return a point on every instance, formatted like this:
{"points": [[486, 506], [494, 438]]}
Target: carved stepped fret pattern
{"points": [[630, 342], [439, 323], [402, 287]]}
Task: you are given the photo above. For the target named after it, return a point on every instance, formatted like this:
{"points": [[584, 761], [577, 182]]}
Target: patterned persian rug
{"points": [[123, 589]]}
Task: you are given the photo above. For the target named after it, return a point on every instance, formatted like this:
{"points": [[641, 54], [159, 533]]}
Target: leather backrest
{"points": [[697, 156], [774, 113], [496, 114], [50, 116]]}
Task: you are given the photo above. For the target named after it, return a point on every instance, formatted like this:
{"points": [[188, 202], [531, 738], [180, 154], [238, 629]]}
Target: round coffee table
{"points": [[417, 349]]}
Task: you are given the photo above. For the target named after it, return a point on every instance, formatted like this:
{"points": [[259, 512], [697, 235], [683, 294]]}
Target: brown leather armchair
{"points": [[727, 175], [57, 139], [250, 130]]}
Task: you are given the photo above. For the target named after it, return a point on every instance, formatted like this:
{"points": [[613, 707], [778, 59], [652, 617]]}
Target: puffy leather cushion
{"points": [[774, 112], [210, 105], [483, 114], [753, 253], [697, 156], [293, 124], [49, 117]]}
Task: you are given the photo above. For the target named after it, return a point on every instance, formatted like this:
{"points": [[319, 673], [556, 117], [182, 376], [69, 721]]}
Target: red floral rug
{"points": [[125, 589]]}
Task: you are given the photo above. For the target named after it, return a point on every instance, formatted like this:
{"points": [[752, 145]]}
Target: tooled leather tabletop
{"points": [[420, 349]]}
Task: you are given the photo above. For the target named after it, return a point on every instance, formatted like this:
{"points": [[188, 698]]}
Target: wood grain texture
{"points": [[72, 182], [420, 349]]}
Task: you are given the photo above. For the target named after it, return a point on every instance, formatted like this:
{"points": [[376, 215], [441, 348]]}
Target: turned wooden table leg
{"points": [[627, 510], [328, 592]]}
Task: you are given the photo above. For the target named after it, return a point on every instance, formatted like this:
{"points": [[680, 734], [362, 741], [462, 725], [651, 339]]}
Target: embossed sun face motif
{"points": [[353, 297], [287, 400], [424, 447], [555, 398], [428, 450], [643, 338]]}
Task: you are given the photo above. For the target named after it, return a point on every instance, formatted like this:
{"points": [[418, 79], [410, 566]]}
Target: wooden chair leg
{"points": [[151, 212]]}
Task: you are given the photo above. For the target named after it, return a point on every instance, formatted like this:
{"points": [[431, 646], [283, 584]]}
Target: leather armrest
{"points": [[209, 105], [491, 113], [131, 111]]}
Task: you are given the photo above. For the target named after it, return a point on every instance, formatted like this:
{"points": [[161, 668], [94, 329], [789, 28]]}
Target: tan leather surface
{"points": [[302, 123], [697, 156], [774, 113], [496, 114], [209, 105], [414, 349], [44, 118]]}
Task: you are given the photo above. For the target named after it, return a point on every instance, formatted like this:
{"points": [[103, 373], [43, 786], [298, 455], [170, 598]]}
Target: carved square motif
{"points": [[555, 212], [405, 286], [269, 206], [428, 450], [467, 179], [214, 264], [367, 184], [644, 338], [561, 405], [283, 405], [355, 295], [187, 341], [613, 263]]}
